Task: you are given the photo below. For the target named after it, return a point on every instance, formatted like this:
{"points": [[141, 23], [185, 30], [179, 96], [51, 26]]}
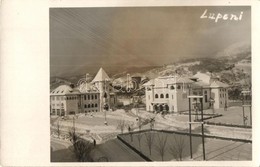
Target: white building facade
{"points": [[170, 94], [86, 97]]}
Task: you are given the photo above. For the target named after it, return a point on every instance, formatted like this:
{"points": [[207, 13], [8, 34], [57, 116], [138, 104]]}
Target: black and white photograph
{"points": [[150, 83]]}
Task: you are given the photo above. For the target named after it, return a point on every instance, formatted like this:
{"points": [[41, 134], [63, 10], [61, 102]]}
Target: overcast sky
{"points": [[84, 39]]}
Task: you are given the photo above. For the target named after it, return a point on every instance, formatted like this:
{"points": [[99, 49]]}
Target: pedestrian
{"points": [[94, 143]]}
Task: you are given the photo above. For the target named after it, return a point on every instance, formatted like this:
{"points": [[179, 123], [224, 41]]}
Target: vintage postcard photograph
{"points": [[146, 84]]}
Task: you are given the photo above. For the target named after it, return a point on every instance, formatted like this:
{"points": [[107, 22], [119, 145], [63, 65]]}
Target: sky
{"points": [[84, 39]]}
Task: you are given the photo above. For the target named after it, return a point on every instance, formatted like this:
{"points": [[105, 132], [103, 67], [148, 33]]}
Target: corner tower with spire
{"points": [[102, 82]]}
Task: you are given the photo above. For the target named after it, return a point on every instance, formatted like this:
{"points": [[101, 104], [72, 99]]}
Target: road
{"points": [[115, 151]]}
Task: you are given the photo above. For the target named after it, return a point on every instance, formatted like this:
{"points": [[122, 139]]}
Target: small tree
{"points": [[149, 136], [177, 147], [130, 130], [139, 123], [152, 121], [161, 146], [139, 138], [121, 125], [58, 127]]}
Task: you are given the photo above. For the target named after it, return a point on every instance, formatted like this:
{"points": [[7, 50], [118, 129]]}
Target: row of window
{"points": [[222, 95], [64, 98], [171, 87], [90, 105], [161, 96], [90, 97]]}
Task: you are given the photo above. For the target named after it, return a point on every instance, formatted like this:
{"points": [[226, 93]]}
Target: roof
{"points": [[203, 77], [87, 88], [218, 84], [101, 76], [200, 84], [65, 90], [164, 81]]}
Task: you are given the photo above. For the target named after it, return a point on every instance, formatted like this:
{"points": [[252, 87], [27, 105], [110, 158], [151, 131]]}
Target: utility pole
{"points": [[190, 129], [202, 125], [202, 129]]}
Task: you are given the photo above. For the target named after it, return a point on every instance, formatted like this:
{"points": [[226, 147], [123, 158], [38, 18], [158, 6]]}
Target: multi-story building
{"points": [[86, 97], [170, 94]]}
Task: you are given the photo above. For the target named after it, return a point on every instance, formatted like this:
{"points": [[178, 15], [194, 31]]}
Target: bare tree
{"points": [[161, 146], [177, 147], [121, 125], [130, 130], [139, 122], [149, 136], [139, 138], [152, 121], [81, 147], [58, 127]]}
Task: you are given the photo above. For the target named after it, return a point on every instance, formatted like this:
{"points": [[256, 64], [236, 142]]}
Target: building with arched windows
{"points": [[86, 97], [170, 94]]}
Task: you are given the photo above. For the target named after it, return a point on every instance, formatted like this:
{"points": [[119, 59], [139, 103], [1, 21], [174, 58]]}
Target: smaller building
{"points": [[170, 94]]}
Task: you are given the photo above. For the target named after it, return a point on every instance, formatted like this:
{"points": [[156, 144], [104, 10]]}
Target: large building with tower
{"points": [[87, 96], [170, 94]]}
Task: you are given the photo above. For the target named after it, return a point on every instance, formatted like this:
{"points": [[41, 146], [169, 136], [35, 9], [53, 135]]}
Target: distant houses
{"points": [[170, 94], [86, 97]]}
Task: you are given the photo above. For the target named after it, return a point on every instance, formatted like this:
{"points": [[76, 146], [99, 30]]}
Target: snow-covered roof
{"points": [[218, 84], [101, 76], [87, 88], [200, 84], [164, 81], [203, 77], [64, 90]]}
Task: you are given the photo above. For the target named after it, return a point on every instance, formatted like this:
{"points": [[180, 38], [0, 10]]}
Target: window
{"points": [[172, 87], [156, 96], [85, 97], [95, 96], [85, 106], [167, 95], [88, 105], [206, 98], [96, 105], [205, 92], [178, 87], [88, 97], [92, 105], [92, 97], [161, 96]]}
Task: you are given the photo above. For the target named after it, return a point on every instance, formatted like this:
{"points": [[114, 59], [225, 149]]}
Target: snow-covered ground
{"points": [[93, 125]]}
